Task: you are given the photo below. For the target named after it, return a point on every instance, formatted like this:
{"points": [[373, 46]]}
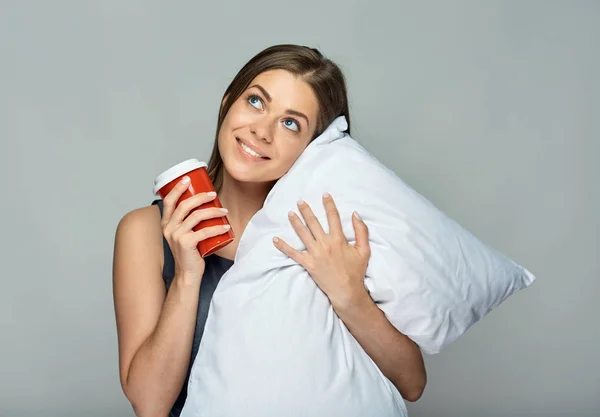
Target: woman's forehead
{"points": [[287, 90]]}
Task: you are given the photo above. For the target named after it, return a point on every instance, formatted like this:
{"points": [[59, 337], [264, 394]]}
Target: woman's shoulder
{"points": [[142, 218], [140, 228]]}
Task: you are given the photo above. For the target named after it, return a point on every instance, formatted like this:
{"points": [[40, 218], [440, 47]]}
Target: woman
{"points": [[279, 101]]}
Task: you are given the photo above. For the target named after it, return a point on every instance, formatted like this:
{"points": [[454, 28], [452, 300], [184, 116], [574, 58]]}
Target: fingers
{"points": [[200, 215], [174, 217], [299, 257], [301, 230], [362, 235], [192, 239], [188, 205], [333, 217], [314, 226], [171, 199]]}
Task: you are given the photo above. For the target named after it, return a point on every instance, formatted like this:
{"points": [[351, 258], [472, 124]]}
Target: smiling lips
{"points": [[250, 151]]}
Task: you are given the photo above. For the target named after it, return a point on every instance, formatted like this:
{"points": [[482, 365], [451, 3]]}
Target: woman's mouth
{"points": [[249, 153]]}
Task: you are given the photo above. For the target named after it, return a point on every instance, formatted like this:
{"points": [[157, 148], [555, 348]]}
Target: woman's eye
{"points": [[292, 125], [255, 102]]}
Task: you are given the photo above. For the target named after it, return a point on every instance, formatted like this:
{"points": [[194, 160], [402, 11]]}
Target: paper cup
{"points": [[200, 183]]}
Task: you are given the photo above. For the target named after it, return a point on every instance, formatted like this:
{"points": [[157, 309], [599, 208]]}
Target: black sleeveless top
{"points": [[215, 267]]}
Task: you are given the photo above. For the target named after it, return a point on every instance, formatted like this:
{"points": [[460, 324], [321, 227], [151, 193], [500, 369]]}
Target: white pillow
{"points": [[272, 344]]}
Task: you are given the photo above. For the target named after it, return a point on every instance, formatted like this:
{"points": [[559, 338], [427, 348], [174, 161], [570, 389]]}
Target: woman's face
{"points": [[276, 117]]}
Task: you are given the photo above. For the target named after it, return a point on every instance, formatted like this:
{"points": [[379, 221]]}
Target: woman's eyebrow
{"points": [[297, 113], [288, 111], [267, 95]]}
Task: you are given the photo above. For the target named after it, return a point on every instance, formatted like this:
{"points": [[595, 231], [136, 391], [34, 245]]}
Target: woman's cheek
{"points": [[245, 117]]}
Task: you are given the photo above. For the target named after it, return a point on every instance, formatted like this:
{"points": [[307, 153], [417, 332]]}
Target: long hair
{"points": [[321, 74]]}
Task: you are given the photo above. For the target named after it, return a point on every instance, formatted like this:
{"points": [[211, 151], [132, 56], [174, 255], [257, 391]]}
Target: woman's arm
{"points": [[397, 356], [155, 329], [339, 269]]}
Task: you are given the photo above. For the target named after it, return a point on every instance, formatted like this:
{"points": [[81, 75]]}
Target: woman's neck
{"points": [[242, 199]]}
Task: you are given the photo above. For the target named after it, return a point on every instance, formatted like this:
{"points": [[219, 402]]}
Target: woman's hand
{"points": [[336, 266], [177, 225], [339, 268]]}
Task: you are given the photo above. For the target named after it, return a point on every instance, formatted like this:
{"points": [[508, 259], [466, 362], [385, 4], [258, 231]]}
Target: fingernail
{"points": [[325, 195], [226, 227], [300, 202], [224, 210], [357, 216], [211, 194], [290, 213], [185, 180], [275, 240]]}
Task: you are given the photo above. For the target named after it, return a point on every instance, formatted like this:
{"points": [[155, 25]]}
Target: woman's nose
{"points": [[262, 130]]}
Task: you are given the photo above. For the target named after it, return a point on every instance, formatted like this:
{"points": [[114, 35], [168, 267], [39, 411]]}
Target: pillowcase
{"points": [[273, 345]]}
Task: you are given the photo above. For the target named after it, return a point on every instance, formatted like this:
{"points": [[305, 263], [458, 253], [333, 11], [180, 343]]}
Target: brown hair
{"points": [[321, 74]]}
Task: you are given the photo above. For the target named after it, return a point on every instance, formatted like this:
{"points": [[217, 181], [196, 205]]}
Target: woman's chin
{"points": [[245, 174]]}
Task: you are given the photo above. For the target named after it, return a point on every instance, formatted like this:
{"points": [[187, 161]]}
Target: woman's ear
{"points": [[223, 104], [224, 100]]}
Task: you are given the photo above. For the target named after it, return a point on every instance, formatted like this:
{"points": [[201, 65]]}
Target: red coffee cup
{"points": [[200, 183]]}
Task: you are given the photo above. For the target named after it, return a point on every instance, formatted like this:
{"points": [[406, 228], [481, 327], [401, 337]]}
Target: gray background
{"points": [[489, 109]]}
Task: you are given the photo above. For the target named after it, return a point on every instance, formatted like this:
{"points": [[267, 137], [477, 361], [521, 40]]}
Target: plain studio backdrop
{"points": [[489, 109]]}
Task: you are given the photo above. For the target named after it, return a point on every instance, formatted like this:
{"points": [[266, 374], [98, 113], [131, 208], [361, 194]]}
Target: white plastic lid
{"points": [[176, 171]]}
